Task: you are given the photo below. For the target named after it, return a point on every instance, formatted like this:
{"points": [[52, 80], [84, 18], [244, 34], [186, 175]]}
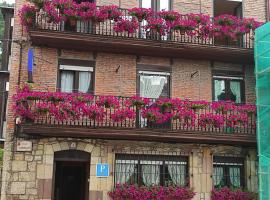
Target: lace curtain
{"points": [[219, 87], [235, 176], [236, 90], [151, 86], [151, 174], [218, 174], [67, 78], [84, 81], [178, 174], [124, 171]]}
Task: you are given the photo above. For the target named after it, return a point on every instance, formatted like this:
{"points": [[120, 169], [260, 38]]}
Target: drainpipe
{"points": [[267, 10]]}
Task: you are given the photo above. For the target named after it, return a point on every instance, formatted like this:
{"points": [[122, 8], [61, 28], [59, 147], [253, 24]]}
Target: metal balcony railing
{"points": [[171, 115], [106, 29]]}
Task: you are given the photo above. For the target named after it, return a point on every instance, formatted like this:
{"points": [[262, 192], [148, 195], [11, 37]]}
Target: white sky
{"points": [[8, 1]]}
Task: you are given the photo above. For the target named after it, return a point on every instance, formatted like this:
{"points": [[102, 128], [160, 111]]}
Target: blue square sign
{"points": [[102, 170]]}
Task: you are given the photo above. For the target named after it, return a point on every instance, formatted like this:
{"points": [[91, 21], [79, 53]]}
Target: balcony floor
{"points": [[140, 47], [157, 135]]}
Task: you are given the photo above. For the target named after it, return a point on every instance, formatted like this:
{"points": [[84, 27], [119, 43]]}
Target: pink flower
{"points": [[141, 13], [212, 120], [121, 115], [108, 101], [124, 25]]}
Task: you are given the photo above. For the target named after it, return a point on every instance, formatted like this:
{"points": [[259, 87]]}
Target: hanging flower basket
{"points": [[141, 13]]}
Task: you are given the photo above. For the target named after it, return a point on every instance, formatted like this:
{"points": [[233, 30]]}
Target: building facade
{"points": [[7, 13], [49, 158]]}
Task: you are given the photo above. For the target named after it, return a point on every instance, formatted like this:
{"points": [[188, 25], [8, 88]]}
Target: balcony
{"points": [[105, 36], [108, 117]]}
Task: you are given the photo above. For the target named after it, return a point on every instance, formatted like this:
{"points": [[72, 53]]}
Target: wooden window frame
{"points": [[79, 63], [226, 163], [227, 77]]}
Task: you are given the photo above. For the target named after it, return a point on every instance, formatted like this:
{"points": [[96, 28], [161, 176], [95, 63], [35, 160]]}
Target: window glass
{"points": [[228, 172], [67, 81], [235, 91], [164, 5], [154, 85], [219, 90], [153, 170], [84, 82], [146, 3]]}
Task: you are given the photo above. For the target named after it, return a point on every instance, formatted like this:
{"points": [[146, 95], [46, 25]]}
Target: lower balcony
{"points": [[108, 117]]}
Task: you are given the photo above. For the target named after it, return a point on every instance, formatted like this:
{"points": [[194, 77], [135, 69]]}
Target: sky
{"points": [[8, 1]]}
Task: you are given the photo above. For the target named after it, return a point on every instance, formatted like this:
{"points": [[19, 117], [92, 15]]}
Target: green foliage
{"points": [[1, 156]]}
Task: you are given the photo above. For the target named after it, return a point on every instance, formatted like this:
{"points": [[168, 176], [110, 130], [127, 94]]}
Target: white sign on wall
{"points": [[24, 145]]}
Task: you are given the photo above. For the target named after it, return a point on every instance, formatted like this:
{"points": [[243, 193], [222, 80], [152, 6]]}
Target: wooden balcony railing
{"points": [[106, 29]]}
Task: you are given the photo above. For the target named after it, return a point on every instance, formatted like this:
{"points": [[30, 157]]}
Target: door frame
{"points": [[72, 157]]}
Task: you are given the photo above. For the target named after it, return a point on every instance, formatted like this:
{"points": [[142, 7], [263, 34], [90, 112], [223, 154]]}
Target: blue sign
{"points": [[102, 170], [30, 59]]}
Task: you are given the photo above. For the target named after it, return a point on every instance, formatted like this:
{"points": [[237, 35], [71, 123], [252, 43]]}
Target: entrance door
{"points": [[71, 177]]}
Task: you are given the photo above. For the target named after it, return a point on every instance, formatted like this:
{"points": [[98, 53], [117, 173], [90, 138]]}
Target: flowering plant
{"points": [[169, 15], [27, 15], [141, 13], [124, 25], [185, 116], [164, 103], [112, 12], [228, 194], [137, 101], [184, 25], [108, 101], [156, 25], [133, 192], [71, 13], [222, 106], [154, 115], [86, 10], [201, 19], [234, 120], [123, 114], [196, 105], [51, 13], [62, 4], [94, 112], [38, 3], [212, 120], [226, 20], [248, 109]]}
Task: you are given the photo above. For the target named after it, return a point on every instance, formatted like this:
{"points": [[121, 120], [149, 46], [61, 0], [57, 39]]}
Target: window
{"points": [[156, 5], [228, 87], [228, 171], [228, 7], [154, 84], [73, 78], [150, 170]]}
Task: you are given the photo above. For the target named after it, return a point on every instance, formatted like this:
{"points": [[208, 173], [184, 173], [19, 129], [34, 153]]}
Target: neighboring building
{"points": [[8, 13], [57, 159]]}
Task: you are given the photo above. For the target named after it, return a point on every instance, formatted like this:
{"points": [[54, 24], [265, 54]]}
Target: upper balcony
{"points": [[109, 117], [195, 36]]}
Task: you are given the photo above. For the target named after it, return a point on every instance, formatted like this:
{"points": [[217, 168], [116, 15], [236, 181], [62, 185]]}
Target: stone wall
{"points": [[32, 176], [22, 176]]}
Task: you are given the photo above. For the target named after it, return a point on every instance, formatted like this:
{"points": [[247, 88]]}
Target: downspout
{"points": [[20, 63], [267, 10]]}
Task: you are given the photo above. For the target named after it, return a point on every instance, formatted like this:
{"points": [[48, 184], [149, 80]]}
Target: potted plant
{"points": [[169, 15], [156, 27], [27, 15], [138, 102], [124, 25], [71, 15], [112, 11], [121, 115], [209, 120], [141, 13]]}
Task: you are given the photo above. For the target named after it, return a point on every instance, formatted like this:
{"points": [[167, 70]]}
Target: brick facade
{"points": [[29, 175]]}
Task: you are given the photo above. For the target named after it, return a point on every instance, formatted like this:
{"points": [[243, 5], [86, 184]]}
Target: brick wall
{"points": [[20, 168]]}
